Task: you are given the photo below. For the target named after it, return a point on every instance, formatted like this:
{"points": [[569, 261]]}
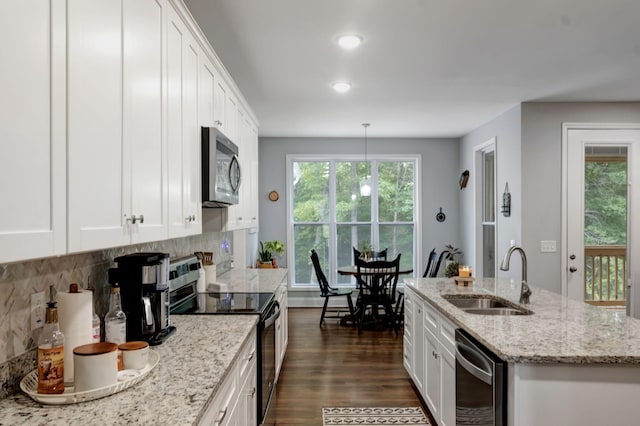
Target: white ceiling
{"points": [[427, 68]]}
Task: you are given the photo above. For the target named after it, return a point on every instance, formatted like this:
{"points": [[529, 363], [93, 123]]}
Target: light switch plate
{"points": [[38, 304], [548, 246]]}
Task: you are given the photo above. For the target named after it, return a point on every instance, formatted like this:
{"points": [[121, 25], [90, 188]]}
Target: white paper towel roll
{"points": [[75, 316]]}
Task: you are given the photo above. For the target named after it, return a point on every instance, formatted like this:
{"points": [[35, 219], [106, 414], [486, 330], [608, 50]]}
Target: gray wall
{"points": [[439, 180], [542, 175], [506, 130]]}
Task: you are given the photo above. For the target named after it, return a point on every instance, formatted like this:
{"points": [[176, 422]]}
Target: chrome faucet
{"points": [[525, 290]]}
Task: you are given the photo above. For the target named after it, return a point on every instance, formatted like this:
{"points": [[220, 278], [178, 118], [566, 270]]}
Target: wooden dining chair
{"points": [[377, 280], [436, 267], [430, 260], [328, 292], [375, 255]]}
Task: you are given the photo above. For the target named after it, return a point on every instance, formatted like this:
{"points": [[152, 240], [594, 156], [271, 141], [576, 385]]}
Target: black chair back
{"points": [[375, 255], [321, 277], [432, 257], [436, 267], [378, 277]]}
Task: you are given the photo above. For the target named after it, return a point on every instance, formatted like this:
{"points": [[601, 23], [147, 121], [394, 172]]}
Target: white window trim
{"points": [[417, 211], [478, 169]]}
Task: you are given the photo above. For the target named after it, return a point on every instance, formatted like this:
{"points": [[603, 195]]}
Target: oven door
{"points": [[267, 366]]}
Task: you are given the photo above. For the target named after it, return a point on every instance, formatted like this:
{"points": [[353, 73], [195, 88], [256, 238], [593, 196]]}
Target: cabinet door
{"points": [[143, 118], [251, 175], [448, 400], [432, 358], [98, 195], [418, 346], [183, 129], [32, 151], [219, 104]]}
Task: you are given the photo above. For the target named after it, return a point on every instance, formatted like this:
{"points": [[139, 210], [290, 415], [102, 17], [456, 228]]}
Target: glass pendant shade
{"points": [[365, 187]]}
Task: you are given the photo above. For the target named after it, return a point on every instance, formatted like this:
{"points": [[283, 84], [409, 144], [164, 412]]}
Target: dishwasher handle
{"points": [[486, 375]]}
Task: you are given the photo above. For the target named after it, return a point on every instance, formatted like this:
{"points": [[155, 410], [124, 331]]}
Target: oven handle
{"points": [[476, 371], [272, 319]]}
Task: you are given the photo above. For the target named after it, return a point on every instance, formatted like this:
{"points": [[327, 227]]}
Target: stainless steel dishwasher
{"points": [[481, 387]]}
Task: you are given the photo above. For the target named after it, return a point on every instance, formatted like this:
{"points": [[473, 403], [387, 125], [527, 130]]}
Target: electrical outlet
{"points": [[548, 246], [38, 303]]}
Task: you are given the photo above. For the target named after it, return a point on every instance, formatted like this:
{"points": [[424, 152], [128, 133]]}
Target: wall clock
{"points": [[274, 196]]}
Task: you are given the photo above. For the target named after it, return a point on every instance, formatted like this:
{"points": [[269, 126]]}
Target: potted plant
{"points": [[365, 250], [266, 253], [452, 261]]}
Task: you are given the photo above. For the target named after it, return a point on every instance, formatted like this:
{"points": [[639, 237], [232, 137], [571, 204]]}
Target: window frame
{"points": [[331, 270]]}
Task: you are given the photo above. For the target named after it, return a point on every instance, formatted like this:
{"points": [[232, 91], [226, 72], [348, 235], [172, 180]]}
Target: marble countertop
{"points": [[260, 280], [193, 363], [560, 330]]}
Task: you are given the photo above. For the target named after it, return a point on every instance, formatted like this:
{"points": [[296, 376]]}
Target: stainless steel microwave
{"points": [[221, 175]]}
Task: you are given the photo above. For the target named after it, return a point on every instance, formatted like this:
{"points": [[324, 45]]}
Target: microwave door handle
{"points": [[235, 183]]}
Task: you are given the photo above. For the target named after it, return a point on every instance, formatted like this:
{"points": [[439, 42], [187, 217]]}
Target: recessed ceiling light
{"points": [[349, 41], [341, 86]]}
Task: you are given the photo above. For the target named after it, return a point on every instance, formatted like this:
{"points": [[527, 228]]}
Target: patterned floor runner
{"points": [[364, 416]]}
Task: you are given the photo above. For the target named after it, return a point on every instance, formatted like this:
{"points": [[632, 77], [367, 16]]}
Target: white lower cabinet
{"points": [[234, 403], [429, 356], [282, 327]]}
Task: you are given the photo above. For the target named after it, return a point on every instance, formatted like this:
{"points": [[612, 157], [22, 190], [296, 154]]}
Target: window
{"points": [[329, 214], [486, 210]]}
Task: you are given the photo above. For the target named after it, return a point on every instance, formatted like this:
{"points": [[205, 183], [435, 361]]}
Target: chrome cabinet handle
{"points": [[221, 416], [191, 218], [218, 123], [250, 356], [252, 392], [134, 219]]}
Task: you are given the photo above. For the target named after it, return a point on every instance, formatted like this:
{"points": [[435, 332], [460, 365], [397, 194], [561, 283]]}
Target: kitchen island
{"points": [[194, 362], [568, 362]]}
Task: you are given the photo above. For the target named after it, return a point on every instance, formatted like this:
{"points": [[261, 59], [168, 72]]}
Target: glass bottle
{"points": [[115, 322], [51, 352]]}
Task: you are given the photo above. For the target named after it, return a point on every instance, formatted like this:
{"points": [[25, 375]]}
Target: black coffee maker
{"points": [[144, 288]]}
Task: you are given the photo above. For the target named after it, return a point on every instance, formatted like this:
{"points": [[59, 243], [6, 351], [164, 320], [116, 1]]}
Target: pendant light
{"points": [[365, 184]]}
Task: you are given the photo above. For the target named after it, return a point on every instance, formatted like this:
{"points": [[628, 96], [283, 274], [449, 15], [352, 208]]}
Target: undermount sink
{"points": [[485, 305]]}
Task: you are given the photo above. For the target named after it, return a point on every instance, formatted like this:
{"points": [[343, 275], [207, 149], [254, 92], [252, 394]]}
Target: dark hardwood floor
{"points": [[333, 366]]}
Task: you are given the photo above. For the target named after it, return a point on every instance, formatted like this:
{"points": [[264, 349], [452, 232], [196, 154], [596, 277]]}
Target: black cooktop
{"points": [[231, 303]]}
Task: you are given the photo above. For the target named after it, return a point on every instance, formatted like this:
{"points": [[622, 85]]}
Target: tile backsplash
{"points": [[18, 281]]}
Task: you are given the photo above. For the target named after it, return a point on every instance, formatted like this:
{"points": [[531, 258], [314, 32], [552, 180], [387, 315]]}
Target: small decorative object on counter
{"points": [[96, 366], [452, 269], [95, 327], [134, 355], [266, 253], [463, 281], [51, 352], [115, 322], [464, 271]]}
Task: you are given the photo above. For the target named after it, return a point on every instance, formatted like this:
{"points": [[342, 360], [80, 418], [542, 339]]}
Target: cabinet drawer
{"points": [[220, 409], [431, 319], [447, 335], [247, 357]]}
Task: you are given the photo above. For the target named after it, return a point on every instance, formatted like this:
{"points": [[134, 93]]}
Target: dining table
{"points": [[352, 270]]}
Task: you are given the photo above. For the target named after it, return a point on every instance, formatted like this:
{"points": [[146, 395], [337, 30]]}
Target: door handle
{"points": [[573, 269]]}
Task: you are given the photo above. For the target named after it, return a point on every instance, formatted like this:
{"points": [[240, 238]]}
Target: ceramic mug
{"points": [[95, 365], [135, 355]]}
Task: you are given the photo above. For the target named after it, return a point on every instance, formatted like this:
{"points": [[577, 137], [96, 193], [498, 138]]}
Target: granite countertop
{"points": [[258, 280], [560, 330], [193, 363]]}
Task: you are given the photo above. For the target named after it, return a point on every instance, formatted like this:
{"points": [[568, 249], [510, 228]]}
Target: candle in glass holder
{"points": [[464, 271]]}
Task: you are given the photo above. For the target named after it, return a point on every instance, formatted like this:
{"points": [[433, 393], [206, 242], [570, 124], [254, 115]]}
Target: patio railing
{"points": [[605, 272]]}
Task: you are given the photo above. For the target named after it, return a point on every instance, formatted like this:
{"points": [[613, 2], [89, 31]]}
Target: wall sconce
{"points": [[506, 201]]}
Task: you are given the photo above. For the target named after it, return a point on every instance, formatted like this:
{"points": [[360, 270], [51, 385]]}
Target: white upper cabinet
{"points": [[183, 129], [142, 112], [32, 162], [116, 150], [103, 104]]}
